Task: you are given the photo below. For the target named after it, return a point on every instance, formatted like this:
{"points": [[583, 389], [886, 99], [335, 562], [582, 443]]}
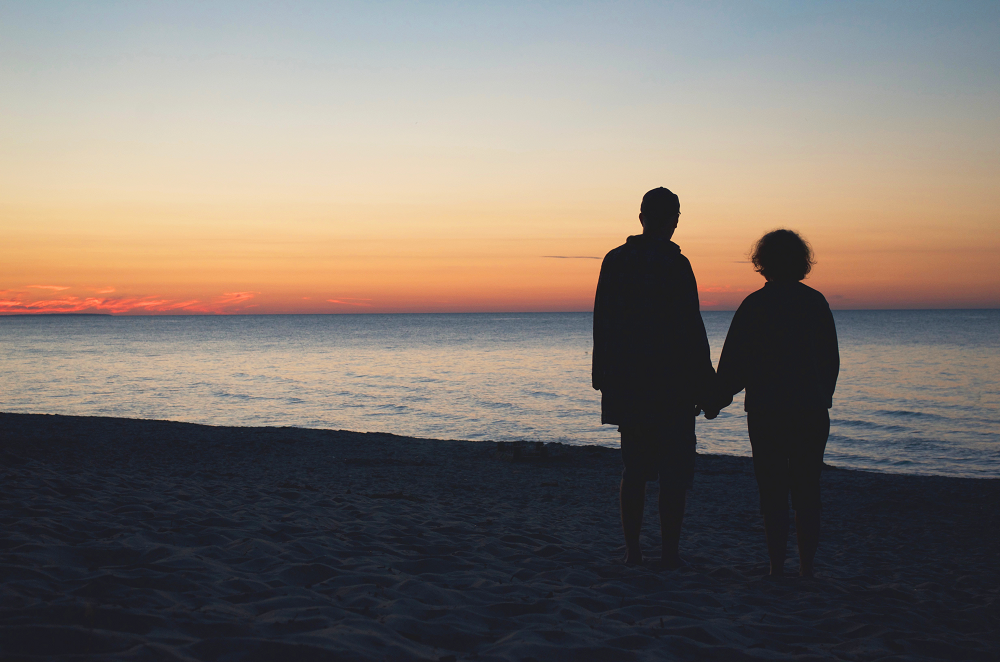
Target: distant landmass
{"points": [[60, 315]]}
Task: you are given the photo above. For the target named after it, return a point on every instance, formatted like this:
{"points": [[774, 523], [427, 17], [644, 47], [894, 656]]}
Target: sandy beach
{"points": [[130, 539]]}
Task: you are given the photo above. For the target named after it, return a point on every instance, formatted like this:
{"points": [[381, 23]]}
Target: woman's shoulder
{"points": [[754, 299], [783, 297], [813, 295]]}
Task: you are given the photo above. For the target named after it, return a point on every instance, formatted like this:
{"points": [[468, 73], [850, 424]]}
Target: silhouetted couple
{"points": [[652, 365]]}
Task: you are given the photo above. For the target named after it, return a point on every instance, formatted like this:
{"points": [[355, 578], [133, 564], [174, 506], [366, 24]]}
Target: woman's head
{"points": [[782, 255]]}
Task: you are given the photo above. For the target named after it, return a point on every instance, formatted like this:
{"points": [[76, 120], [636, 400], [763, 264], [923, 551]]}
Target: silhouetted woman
{"points": [[782, 348]]}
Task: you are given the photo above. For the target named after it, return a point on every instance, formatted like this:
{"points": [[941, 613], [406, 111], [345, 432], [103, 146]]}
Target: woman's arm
{"points": [[829, 359], [731, 373]]}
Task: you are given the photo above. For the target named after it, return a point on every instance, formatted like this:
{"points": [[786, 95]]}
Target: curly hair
{"points": [[782, 255]]}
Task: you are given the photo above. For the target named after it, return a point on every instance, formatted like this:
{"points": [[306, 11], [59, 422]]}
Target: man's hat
{"points": [[660, 201]]}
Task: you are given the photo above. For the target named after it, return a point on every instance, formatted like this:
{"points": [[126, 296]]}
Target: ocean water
{"points": [[919, 391]]}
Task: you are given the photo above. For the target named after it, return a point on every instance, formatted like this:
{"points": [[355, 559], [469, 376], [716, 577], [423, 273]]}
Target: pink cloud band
{"points": [[227, 302]]}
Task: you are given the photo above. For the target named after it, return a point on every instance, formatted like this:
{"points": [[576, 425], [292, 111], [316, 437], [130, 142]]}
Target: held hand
{"points": [[711, 411]]}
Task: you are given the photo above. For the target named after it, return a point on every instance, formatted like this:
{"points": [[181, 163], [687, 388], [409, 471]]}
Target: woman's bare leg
{"points": [[807, 533], [776, 534]]}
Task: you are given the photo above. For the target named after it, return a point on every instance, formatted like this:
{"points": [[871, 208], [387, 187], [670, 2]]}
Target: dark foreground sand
{"points": [[126, 539]]}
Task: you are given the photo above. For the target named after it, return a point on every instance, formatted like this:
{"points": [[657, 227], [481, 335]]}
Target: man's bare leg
{"points": [[807, 533], [776, 534], [672, 501], [632, 502]]}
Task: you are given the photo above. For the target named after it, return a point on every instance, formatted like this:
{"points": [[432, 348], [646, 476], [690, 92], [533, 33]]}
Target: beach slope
{"points": [[129, 539]]}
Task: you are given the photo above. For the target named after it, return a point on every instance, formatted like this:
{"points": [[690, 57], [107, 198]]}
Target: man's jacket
{"points": [[651, 355]]}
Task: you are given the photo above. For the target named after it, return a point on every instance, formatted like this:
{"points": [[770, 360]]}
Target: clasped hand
{"points": [[710, 412]]}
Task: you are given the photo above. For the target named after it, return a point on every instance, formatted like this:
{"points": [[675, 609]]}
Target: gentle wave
{"points": [[919, 391]]}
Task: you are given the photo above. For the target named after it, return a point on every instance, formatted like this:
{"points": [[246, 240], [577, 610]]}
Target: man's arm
{"points": [[696, 342], [598, 368]]}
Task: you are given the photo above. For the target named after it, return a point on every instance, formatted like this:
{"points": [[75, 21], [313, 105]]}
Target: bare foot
{"points": [[632, 558]]}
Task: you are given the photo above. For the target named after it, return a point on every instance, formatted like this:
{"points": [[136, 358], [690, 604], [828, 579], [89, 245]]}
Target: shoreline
{"points": [[612, 447], [159, 539]]}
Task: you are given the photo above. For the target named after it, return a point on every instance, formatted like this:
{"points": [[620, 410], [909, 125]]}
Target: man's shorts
{"points": [[664, 451]]}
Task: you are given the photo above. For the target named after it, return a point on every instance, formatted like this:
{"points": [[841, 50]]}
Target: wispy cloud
{"points": [[347, 301], [106, 290], [54, 288], [573, 257], [227, 302], [73, 304], [230, 298], [723, 288]]}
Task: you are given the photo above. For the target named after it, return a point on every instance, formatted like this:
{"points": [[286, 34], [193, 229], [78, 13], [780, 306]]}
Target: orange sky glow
{"points": [[482, 159]]}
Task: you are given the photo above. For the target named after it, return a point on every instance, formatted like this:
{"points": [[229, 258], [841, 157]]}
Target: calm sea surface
{"points": [[919, 391]]}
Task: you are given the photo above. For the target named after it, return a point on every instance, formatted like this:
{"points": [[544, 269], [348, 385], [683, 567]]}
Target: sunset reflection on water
{"points": [[918, 390]]}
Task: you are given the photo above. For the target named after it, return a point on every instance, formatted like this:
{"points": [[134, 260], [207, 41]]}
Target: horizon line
{"points": [[463, 312]]}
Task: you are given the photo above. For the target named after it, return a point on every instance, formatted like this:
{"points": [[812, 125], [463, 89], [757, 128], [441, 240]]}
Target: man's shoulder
{"points": [[640, 245], [615, 252]]}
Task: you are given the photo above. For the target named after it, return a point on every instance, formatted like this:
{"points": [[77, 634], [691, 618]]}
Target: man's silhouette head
{"points": [[782, 255], [659, 212]]}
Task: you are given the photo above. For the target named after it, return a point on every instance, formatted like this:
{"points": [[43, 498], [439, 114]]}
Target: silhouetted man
{"points": [[652, 365]]}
